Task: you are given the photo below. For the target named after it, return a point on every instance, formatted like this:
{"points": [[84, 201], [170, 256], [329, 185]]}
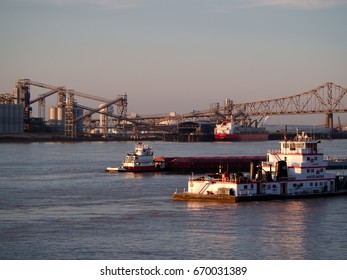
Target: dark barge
{"points": [[209, 164]]}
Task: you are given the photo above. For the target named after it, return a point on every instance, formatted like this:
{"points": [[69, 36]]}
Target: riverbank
{"points": [[48, 137], [54, 137]]}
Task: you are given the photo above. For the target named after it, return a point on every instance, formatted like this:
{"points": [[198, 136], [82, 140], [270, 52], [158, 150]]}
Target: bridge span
{"points": [[325, 99]]}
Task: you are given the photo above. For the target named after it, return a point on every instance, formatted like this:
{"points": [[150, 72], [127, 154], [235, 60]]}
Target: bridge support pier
{"points": [[329, 120]]}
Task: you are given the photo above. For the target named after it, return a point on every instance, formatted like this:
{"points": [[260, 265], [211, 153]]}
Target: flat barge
{"points": [[209, 164]]}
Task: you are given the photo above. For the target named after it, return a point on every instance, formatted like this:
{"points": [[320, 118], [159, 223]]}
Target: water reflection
{"points": [[253, 230], [283, 232]]}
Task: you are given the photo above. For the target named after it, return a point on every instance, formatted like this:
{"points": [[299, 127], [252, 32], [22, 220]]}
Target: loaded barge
{"points": [[209, 164], [213, 164], [296, 170]]}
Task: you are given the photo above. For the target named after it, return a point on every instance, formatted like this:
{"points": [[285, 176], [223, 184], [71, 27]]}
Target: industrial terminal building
{"points": [[67, 119], [13, 111], [11, 118], [16, 112]]}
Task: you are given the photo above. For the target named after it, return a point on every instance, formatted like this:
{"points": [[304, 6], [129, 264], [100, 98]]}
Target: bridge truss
{"points": [[325, 99]]}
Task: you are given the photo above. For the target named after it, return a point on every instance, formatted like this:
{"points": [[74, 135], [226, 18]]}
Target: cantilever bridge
{"points": [[325, 99]]}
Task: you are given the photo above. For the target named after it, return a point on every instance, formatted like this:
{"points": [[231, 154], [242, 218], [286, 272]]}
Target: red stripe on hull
{"points": [[241, 137], [142, 168]]}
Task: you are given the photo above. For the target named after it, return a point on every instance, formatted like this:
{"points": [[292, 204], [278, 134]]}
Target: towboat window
{"points": [[292, 146], [245, 187], [299, 145], [312, 146]]}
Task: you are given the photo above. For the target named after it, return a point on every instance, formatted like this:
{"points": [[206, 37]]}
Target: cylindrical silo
{"points": [[61, 115], [53, 113]]}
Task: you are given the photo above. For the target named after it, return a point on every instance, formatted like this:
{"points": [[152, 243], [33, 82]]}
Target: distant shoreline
{"points": [[49, 137], [33, 137]]}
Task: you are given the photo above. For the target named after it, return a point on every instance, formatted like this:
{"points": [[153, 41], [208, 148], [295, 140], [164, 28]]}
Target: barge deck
{"points": [[209, 164]]}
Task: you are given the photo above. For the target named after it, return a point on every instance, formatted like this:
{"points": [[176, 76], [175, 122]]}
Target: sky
{"points": [[175, 55]]}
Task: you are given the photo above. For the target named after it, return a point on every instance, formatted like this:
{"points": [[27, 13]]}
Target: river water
{"points": [[56, 202]]}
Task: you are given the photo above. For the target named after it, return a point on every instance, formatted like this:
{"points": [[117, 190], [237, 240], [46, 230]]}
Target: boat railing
{"points": [[274, 151], [194, 177], [296, 151], [335, 159]]}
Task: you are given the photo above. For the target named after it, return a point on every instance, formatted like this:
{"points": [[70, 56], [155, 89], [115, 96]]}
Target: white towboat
{"points": [[297, 169], [141, 160]]}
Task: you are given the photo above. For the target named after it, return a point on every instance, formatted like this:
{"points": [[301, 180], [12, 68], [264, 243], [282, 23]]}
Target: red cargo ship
{"points": [[228, 131]]}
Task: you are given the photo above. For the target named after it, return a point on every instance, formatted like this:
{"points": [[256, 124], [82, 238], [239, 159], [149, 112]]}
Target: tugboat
{"points": [[141, 160], [296, 170]]}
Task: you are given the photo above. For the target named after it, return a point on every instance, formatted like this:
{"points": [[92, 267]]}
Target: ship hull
{"points": [[142, 168], [241, 137], [134, 169], [235, 199]]}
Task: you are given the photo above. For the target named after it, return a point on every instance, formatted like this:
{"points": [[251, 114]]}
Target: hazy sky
{"points": [[175, 55]]}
